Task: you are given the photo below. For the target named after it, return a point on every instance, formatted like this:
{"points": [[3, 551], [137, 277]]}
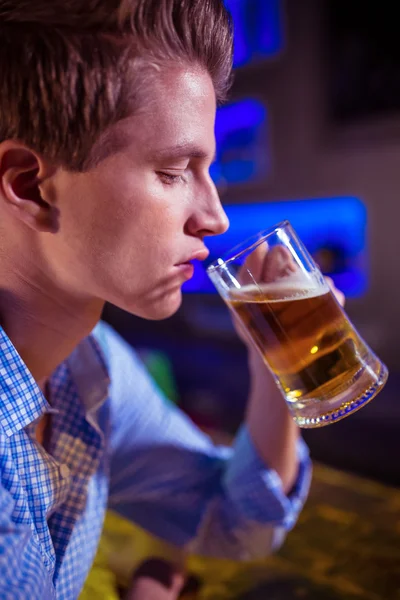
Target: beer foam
{"points": [[278, 291]]}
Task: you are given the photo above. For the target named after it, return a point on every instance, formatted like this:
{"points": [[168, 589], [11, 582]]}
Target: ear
{"points": [[22, 175]]}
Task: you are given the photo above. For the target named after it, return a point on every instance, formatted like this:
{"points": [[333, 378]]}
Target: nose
{"points": [[208, 216]]}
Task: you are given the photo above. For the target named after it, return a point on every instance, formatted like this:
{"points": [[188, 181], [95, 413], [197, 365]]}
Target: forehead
{"points": [[183, 87], [178, 110]]}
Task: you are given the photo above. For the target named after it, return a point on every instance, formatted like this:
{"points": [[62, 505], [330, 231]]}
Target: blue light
{"points": [[257, 29], [242, 53], [270, 27], [242, 144], [332, 227]]}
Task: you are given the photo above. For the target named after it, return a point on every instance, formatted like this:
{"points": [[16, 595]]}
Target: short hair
{"points": [[69, 69]]}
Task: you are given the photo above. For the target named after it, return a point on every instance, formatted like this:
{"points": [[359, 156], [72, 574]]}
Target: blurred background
{"points": [[311, 133]]}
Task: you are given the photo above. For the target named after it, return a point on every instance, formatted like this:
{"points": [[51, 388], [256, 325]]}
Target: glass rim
{"points": [[249, 244]]}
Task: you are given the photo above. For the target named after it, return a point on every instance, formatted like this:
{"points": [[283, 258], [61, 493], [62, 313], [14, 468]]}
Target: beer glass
{"points": [[323, 367]]}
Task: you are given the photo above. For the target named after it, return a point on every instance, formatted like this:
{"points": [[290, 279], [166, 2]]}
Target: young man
{"points": [[107, 112]]}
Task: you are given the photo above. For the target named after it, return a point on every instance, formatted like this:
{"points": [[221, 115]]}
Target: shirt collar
{"points": [[90, 373], [22, 401]]}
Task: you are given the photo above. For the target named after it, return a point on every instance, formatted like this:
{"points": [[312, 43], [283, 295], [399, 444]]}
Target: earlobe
{"points": [[20, 188]]}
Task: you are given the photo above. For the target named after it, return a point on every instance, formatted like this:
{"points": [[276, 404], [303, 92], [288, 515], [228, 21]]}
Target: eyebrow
{"points": [[183, 151]]}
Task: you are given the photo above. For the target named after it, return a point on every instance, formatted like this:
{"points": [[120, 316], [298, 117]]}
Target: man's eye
{"points": [[169, 178]]}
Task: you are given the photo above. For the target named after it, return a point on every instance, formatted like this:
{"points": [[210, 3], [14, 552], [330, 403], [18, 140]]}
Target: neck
{"points": [[44, 324]]}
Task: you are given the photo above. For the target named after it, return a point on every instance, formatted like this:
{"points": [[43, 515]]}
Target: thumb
{"points": [[156, 579]]}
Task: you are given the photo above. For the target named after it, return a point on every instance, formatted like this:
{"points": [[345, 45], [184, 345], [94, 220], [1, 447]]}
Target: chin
{"points": [[156, 309]]}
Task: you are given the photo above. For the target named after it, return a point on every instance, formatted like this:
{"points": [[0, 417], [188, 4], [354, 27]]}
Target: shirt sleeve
{"points": [[169, 478]]}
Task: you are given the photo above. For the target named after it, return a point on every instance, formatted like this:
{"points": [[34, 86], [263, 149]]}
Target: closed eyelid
{"points": [[184, 152]]}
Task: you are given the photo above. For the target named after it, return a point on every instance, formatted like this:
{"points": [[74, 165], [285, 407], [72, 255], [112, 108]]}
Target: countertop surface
{"points": [[345, 546]]}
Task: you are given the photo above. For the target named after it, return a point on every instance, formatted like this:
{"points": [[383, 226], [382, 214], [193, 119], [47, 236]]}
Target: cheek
{"points": [[104, 213], [148, 231], [128, 234], [132, 208], [94, 224]]}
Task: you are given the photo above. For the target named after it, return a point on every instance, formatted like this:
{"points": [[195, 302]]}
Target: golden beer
{"points": [[310, 346]]}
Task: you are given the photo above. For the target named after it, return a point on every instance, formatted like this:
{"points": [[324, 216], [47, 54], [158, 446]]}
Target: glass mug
{"points": [[323, 367]]}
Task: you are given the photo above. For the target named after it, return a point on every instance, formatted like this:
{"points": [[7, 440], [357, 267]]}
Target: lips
{"points": [[197, 255], [185, 271]]}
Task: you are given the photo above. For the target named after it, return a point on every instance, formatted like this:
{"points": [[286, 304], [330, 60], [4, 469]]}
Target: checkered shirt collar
{"points": [[22, 401]]}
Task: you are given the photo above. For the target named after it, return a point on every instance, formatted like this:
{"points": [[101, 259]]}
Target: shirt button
{"points": [[64, 471]]}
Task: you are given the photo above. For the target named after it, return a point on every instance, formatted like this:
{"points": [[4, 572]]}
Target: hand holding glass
{"points": [[323, 367]]}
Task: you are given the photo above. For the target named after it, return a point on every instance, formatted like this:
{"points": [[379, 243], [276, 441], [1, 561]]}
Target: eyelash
{"points": [[170, 179]]}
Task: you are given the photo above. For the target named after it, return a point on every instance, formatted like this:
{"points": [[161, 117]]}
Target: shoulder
{"points": [[112, 344], [121, 359]]}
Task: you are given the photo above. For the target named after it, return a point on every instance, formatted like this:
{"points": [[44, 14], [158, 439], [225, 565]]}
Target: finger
{"points": [[251, 271], [340, 297], [145, 588], [266, 265], [156, 579], [278, 263]]}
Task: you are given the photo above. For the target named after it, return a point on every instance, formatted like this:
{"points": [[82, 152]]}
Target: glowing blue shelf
{"points": [[241, 132], [333, 229], [258, 29]]}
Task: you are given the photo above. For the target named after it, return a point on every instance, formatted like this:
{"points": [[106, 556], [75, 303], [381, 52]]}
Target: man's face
{"points": [[130, 226]]}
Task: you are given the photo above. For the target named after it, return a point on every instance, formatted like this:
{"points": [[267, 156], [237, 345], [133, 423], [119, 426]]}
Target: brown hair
{"points": [[71, 68]]}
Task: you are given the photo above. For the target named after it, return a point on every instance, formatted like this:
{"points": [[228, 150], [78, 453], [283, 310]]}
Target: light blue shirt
{"points": [[115, 442]]}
